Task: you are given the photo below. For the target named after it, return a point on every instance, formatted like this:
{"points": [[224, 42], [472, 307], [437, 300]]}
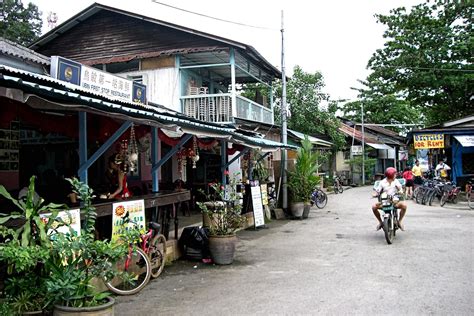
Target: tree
{"points": [[382, 104], [19, 24], [425, 63], [307, 114]]}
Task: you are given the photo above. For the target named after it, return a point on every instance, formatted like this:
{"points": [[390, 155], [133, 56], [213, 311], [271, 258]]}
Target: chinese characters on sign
{"points": [[106, 84], [426, 141], [136, 214], [97, 81]]}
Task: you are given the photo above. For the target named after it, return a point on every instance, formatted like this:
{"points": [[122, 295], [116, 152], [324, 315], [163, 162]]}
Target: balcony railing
{"points": [[208, 107], [250, 110], [218, 108]]}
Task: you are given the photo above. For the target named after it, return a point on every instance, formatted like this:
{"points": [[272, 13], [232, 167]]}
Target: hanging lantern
{"points": [[132, 150], [195, 157]]}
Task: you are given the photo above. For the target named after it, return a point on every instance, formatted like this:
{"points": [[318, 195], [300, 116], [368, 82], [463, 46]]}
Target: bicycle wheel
{"points": [[157, 255], [132, 273], [321, 199], [444, 198], [341, 189], [388, 229], [470, 200], [419, 196], [426, 194], [431, 197], [415, 193], [336, 190]]}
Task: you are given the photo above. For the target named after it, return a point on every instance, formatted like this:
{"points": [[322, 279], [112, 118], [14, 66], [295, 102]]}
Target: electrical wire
{"points": [[428, 68], [214, 18]]}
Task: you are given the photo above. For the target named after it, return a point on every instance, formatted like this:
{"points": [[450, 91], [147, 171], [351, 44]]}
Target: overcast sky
{"points": [[336, 37]]}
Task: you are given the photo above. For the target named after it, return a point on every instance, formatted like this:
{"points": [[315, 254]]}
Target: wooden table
{"points": [[165, 206]]}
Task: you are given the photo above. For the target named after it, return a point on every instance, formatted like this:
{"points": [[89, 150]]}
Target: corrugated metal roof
{"points": [[61, 92], [126, 58], [13, 49], [353, 132], [312, 139]]}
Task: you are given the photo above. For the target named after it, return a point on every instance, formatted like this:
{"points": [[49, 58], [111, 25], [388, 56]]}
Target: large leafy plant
{"points": [[25, 248], [76, 260], [303, 179], [223, 207]]}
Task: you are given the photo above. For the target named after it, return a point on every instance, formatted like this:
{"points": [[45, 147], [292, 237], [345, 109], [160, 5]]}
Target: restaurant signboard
{"points": [[133, 211], [97, 81], [428, 141]]}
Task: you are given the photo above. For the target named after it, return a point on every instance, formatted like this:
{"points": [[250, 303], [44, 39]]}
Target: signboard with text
{"points": [[427, 141], [69, 218], [135, 210], [356, 150], [258, 216], [97, 81]]}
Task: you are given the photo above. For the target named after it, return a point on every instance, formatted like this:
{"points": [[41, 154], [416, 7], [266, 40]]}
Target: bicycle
{"points": [[450, 194], [319, 198], [140, 264], [337, 185]]}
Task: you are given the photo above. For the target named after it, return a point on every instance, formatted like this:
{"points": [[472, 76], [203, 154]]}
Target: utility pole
{"points": [[284, 162], [363, 144]]}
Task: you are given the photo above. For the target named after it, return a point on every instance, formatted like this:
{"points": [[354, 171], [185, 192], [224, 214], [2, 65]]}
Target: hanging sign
{"points": [[72, 219], [356, 150], [258, 216], [97, 81], [135, 210], [427, 141]]}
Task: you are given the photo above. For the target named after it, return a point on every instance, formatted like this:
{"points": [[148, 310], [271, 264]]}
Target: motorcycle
{"points": [[389, 215]]}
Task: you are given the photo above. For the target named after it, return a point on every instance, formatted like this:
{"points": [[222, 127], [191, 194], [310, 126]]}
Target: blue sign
{"points": [[66, 70], [139, 93]]}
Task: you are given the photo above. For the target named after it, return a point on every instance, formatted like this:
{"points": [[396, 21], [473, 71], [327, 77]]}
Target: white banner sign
{"points": [[70, 217], [258, 216]]}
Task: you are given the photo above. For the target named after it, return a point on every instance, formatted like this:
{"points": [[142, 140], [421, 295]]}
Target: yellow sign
{"points": [[134, 210], [426, 141]]}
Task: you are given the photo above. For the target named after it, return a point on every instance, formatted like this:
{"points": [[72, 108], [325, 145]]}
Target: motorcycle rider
{"points": [[392, 186]]}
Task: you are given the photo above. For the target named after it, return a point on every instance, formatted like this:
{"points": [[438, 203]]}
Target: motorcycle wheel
{"points": [[336, 191], [388, 230], [341, 189]]}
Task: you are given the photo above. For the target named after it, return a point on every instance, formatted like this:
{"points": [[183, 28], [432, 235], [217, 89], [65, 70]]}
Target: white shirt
{"points": [[391, 188]]}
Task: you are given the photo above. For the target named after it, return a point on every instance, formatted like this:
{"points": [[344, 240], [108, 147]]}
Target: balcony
{"points": [[209, 83], [218, 108]]}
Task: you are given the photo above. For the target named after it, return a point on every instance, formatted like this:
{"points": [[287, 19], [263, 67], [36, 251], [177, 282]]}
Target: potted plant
{"points": [[225, 217], [303, 179], [77, 259], [24, 249]]}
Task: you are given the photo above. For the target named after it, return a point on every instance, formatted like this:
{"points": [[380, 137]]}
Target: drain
{"points": [[340, 236]]}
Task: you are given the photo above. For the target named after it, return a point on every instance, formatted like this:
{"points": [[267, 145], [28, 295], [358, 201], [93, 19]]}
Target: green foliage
{"points": [[34, 230], [259, 171], [382, 104], [369, 164], [307, 114], [426, 63], [19, 24], [303, 179], [76, 260], [223, 207]]}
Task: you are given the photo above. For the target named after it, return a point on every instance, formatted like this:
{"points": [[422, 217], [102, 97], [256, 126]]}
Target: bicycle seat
{"points": [[155, 226]]}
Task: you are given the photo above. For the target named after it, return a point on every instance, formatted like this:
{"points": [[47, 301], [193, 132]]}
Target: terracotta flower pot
{"points": [[307, 208], [106, 309], [222, 248], [297, 209]]}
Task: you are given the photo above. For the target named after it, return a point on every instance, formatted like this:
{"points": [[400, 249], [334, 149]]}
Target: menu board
{"points": [[135, 211], [258, 216], [9, 147]]}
